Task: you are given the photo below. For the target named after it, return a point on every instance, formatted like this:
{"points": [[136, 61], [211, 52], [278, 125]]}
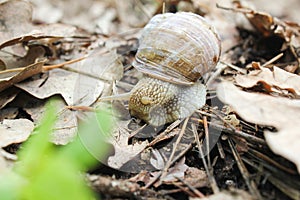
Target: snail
{"points": [[175, 51]]}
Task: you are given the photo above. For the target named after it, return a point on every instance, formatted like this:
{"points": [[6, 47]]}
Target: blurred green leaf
{"points": [[45, 171]]}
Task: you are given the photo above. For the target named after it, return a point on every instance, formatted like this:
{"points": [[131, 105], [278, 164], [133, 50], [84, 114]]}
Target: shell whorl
{"points": [[179, 48]]}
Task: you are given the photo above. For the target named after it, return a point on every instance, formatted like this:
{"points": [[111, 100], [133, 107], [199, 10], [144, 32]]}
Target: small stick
{"points": [[207, 142], [169, 163], [81, 108], [158, 175], [136, 131], [49, 67], [211, 178], [270, 160], [242, 71], [234, 131], [272, 60], [164, 7], [242, 10], [245, 174], [192, 188], [221, 150], [163, 134]]}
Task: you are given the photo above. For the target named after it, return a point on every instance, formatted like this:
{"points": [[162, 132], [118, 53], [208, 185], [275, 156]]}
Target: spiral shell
{"points": [[178, 48], [175, 51]]}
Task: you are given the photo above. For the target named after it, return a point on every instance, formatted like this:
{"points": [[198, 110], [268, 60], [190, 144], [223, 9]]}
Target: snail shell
{"points": [[175, 51]]}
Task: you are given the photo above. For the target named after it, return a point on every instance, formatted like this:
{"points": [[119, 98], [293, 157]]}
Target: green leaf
{"points": [[47, 172]]}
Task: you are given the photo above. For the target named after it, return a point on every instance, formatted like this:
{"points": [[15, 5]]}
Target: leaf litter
{"points": [[45, 58]]}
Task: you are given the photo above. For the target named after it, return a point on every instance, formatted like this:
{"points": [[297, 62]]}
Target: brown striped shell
{"points": [[175, 51], [179, 48]]}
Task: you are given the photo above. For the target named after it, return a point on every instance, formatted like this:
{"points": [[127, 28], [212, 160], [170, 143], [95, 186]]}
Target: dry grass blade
{"points": [[238, 133], [170, 161], [271, 161], [272, 60], [288, 186], [60, 65], [210, 175], [250, 183], [193, 189], [164, 134]]}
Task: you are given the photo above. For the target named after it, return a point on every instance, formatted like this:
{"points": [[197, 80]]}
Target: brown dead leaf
{"points": [[268, 25], [7, 96], [80, 83], [11, 60], [277, 78], [17, 27], [124, 152], [8, 113], [196, 177], [14, 131], [282, 113], [262, 21], [66, 124], [13, 76], [58, 81], [177, 171]]}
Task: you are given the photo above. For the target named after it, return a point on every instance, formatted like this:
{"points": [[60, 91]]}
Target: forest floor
{"points": [[243, 144]]}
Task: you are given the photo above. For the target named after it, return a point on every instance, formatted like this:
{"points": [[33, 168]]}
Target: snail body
{"points": [[175, 51]]}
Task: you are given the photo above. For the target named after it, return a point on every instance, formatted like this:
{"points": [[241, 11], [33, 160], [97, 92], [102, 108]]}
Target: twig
{"points": [[164, 7], [136, 131], [154, 179], [242, 71], [120, 189], [286, 186], [221, 150], [212, 77], [270, 160], [163, 134], [193, 189], [242, 10], [49, 67], [272, 60], [233, 131], [207, 143], [81, 108], [169, 163], [245, 174], [184, 189], [211, 178]]}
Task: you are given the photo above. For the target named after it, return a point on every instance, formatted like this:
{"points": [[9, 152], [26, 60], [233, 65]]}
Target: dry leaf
{"points": [[17, 26], [14, 131], [282, 113], [66, 124], [81, 83], [156, 160], [124, 152], [15, 61], [278, 78], [8, 113], [59, 81], [178, 170], [7, 96], [11, 77], [196, 177]]}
